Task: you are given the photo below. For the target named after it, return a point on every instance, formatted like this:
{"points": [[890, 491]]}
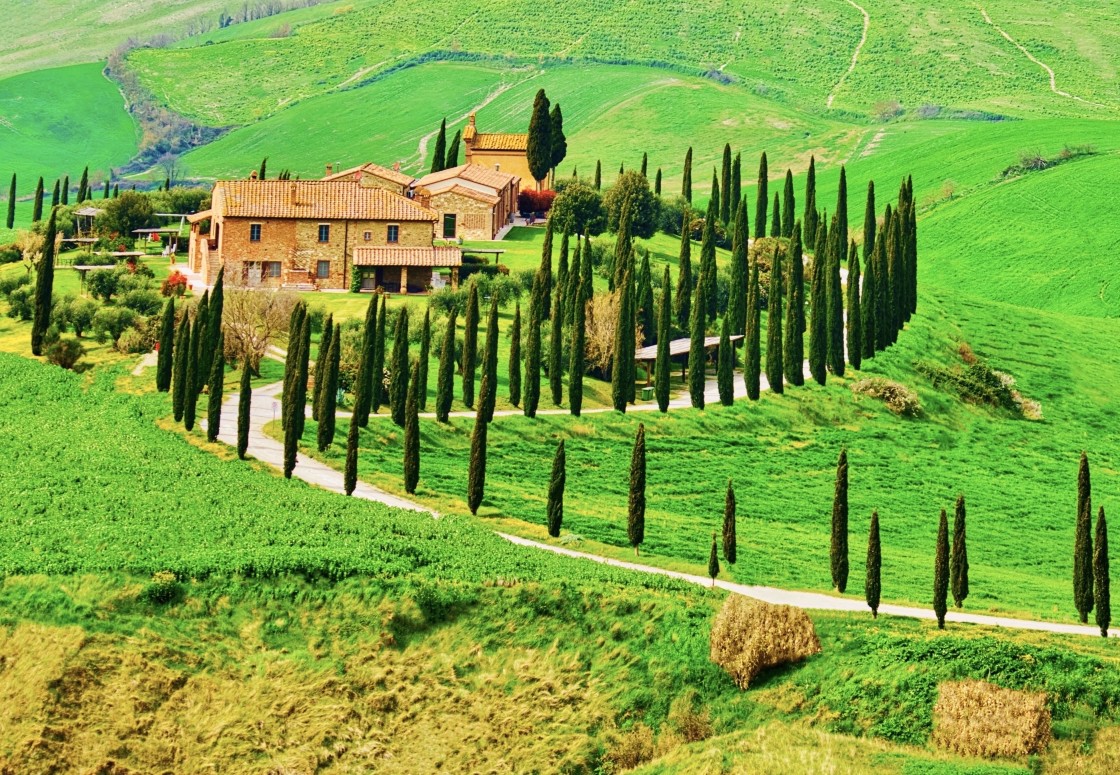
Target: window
{"points": [[394, 233], [272, 268], [254, 232], [449, 226], [367, 236], [323, 269], [324, 232]]}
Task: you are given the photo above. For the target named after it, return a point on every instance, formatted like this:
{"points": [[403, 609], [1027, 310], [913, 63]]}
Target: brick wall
{"points": [[474, 219]]}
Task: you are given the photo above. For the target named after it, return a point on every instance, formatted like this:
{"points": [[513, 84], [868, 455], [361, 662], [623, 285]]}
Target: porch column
{"points": [[404, 280]]}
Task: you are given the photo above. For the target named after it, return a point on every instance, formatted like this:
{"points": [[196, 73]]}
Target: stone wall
{"points": [[474, 219]]}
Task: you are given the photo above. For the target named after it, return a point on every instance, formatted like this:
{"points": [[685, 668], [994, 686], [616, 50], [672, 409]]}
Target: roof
{"points": [[490, 199], [341, 200], [489, 141], [474, 173], [201, 216], [396, 176], [679, 347], [405, 256], [89, 212]]}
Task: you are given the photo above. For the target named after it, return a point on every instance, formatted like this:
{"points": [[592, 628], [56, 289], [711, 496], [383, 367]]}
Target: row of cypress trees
{"points": [[1091, 589], [60, 195], [192, 358]]}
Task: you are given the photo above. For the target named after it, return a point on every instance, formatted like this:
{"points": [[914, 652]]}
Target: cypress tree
{"points": [[686, 181], [696, 353], [1083, 544], [636, 521], [533, 350], [685, 284], [762, 199], [621, 169], [794, 356], [868, 294], [1101, 599], [882, 326], [839, 549], [713, 561], [350, 473], [365, 370], [854, 331], [644, 302], [452, 158], [439, 155], [105, 190], [56, 194], [412, 431], [645, 164], [708, 270], [587, 280], [556, 351], [297, 393], [116, 190], [261, 173], [571, 289], [789, 205], [44, 287], [776, 217], [83, 186], [775, 366], [515, 358], [740, 271], [752, 367], [212, 324], [894, 278], [561, 284], [724, 374], [556, 136], [725, 186], [488, 394], [65, 200], [841, 231], [818, 311], [556, 491], [244, 406], [470, 344], [958, 557], [446, 376], [871, 584], [576, 356], [37, 202], [300, 416], [729, 536], [425, 356], [329, 405], [809, 220], [217, 382], [941, 571], [12, 203], [377, 372], [398, 369], [912, 245], [835, 305], [736, 183], [598, 175], [291, 446], [621, 378], [714, 207], [657, 183], [538, 151], [322, 363], [661, 368], [199, 339], [190, 400], [166, 347], [869, 223], [476, 475], [179, 366], [546, 268]]}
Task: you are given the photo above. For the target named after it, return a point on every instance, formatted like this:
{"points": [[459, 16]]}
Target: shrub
{"points": [[899, 399], [65, 353], [12, 282], [530, 201], [445, 299], [976, 718], [144, 302], [633, 747], [111, 322], [692, 724], [80, 313], [977, 383], [174, 285], [21, 303], [103, 284], [164, 588], [749, 636], [9, 254], [133, 341]]}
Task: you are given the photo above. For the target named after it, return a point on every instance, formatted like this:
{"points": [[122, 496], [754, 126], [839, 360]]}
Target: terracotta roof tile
{"points": [[405, 256], [315, 200], [489, 199], [490, 141], [475, 173], [395, 176]]}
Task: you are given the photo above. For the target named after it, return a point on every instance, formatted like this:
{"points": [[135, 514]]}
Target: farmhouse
{"points": [[504, 152], [473, 202], [309, 235], [375, 176]]}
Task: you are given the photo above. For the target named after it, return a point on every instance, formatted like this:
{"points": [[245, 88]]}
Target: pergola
{"points": [[647, 355]]}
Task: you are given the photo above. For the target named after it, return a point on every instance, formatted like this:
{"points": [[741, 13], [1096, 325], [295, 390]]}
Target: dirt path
{"points": [[855, 54]]}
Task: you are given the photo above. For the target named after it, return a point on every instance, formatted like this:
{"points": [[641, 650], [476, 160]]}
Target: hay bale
{"points": [[749, 636], [975, 718]]}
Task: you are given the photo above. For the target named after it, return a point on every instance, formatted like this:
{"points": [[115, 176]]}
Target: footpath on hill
{"points": [[265, 408]]}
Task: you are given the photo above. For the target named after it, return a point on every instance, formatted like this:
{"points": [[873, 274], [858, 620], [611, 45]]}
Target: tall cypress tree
{"points": [[179, 366], [713, 561], [636, 513], [515, 358], [476, 473], [762, 199], [217, 382], [729, 534], [752, 366], [533, 350], [546, 268], [621, 380], [708, 270], [714, 206], [350, 472], [65, 200], [452, 158], [299, 418], [470, 344], [685, 283], [556, 136], [488, 395], [213, 327], [398, 369], [835, 309], [556, 484], [789, 205], [598, 175], [644, 302], [809, 219], [412, 431], [839, 549], [941, 571], [83, 186], [854, 331], [776, 217], [958, 557], [561, 283], [740, 272], [882, 290], [190, 400], [818, 311], [556, 351], [841, 230], [661, 368], [538, 151], [1083, 544], [576, 355], [11, 220], [697, 354], [725, 210], [56, 194], [657, 183], [686, 181], [44, 287], [446, 376], [439, 155], [37, 202], [105, 189], [724, 374], [365, 369], [166, 347], [872, 586], [868, 294], [794, 356], [571, 289], [736, 194], [869, 223], [645, 164], [322, 363], [199, 339], [244, 408], [1101, 592], [775, 365], [377, 373], [329, 405], [425, 356], [587, 280]]}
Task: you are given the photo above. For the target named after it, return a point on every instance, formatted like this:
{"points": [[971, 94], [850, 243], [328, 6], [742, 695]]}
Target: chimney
{"points": [[253, 175], [423, 197], [472, 119], [396, 166], [293, 195], [330, 169]]}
